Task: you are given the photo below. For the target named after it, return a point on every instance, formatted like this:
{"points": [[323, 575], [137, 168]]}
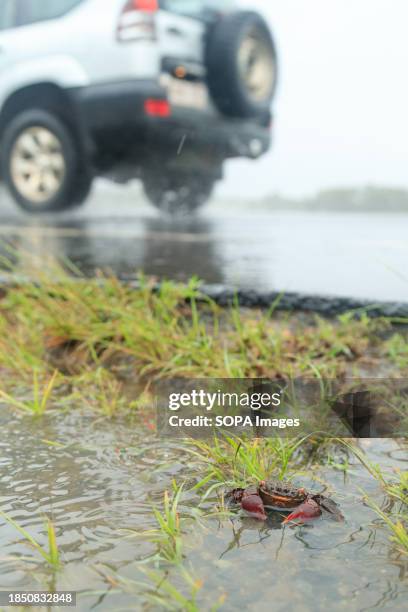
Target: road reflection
{"points": [[176, 249]]}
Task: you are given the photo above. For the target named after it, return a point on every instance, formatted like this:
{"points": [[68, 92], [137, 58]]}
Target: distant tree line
{"points": [[366, 199]]}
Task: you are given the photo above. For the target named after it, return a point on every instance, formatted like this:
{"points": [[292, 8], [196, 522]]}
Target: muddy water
{"points": [[98, 478]]}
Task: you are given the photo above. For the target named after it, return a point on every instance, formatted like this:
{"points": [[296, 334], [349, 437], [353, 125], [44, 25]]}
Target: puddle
{"points": [[105, 478]]}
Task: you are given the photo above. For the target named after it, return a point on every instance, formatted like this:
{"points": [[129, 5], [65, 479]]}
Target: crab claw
{"points": [[307, 511], [330, 506], [253, 505]]}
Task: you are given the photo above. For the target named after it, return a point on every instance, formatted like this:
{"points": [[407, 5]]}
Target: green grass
{"points": [[236, 462], [398, 490], [94, 333], [100, 391], [51, 556], [396, 349], [397, 519], [171, 583], [177, 593], [394, 510], [168, 596], [373, 468], [168, 535], [41, 396], [398, 527]]}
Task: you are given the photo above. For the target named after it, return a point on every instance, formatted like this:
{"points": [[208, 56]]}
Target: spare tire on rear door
{"points": [[242, 65]]}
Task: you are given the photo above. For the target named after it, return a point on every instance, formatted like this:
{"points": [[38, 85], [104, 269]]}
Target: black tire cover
{"points": [[224, 80]]}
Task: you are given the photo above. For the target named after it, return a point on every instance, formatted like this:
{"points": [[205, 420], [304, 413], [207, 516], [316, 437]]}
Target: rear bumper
{"points": [[118, 109]]}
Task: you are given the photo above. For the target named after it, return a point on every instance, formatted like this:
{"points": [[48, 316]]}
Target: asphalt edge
{"points": [[225, 296], [299, 302]]}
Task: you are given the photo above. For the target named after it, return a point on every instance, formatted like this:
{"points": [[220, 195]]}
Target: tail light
{"points": [[150, 6], [137, 20], [157, 108]]}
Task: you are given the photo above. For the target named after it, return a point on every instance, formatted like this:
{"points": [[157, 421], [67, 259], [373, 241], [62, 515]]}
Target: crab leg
{"points": [[307, 511]]}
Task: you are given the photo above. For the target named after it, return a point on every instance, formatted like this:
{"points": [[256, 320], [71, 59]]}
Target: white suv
{"points": [[162, 90]]}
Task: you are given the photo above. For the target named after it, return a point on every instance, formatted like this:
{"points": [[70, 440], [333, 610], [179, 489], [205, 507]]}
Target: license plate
{"points": [[187, 94]]}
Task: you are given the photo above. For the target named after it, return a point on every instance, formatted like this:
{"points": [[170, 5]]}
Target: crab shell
{"points": [[281, 495]]}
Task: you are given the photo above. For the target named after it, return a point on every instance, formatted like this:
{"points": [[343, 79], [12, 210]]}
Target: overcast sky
{"points": [[342, 105]]}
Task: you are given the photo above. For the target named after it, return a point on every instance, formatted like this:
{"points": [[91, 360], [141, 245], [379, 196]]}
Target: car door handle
{"points": [[175, 32]]}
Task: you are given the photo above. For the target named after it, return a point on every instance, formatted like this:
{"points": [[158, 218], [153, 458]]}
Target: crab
{"points": [[276, 495]]}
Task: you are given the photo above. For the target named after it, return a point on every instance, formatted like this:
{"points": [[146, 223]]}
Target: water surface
{"points": [[103, 478]]}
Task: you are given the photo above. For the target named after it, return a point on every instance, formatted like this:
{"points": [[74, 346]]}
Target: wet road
{"points": [[337, 254]]}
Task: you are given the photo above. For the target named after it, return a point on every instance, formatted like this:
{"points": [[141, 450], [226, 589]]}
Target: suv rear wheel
{"points": [[41, 164], [178, 193]]}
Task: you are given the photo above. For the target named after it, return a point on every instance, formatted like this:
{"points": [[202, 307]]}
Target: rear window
{"points": [[8, 13], [197, 8], [33, 11]]}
